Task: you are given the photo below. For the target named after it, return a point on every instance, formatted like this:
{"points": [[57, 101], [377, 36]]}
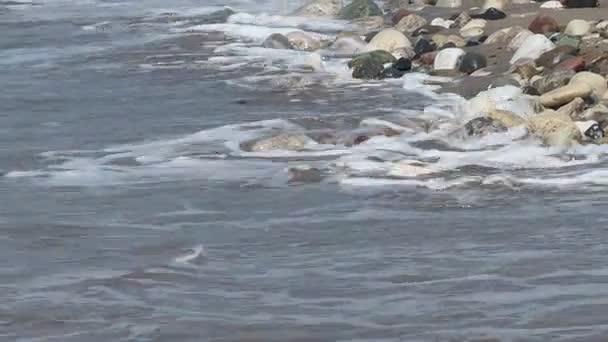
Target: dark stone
{"points": [[369, 36], [471, 62], [277, 41], [543, 24], [398, 69], [359, 9], [490, 14], [361, 139], [594, 132], [424, 45], [555, 56], [427, 29], [579, 3], [482, 126], [473, 42], [529, 90], [370, 65]]}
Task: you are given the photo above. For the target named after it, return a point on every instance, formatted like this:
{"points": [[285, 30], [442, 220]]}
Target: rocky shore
{"points": [[555, 53]]}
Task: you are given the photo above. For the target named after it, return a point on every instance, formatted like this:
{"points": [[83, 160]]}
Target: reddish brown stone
{"points": [[543, 23], [575, 64], [400, 14], [428, 58]]}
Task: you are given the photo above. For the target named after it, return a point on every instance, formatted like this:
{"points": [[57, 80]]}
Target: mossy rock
{"points": [[359, 9]]}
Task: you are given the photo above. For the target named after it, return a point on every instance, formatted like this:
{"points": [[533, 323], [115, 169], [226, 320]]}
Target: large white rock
{"points": [[448, 59], [519, 39], [498, 4], [533, 47], [578, 28], [554, 129], [320, 8], [554, 4], [389, 40], [449, 3]]}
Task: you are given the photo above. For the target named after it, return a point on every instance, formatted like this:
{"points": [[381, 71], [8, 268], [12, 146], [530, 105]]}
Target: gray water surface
{"points": [[92, 255]]}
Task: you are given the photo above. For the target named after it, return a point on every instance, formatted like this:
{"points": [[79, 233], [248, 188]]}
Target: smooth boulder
{"points": [[565, 94], [358, 9], [448, 59], [596, 82], [389, 40]]}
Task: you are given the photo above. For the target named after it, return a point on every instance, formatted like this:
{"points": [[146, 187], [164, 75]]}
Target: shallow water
{"points": [[129, 212]]}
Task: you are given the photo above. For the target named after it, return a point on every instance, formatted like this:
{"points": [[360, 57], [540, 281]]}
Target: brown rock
{"points": [[543, 23], [428, 58], [399, 14]]}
